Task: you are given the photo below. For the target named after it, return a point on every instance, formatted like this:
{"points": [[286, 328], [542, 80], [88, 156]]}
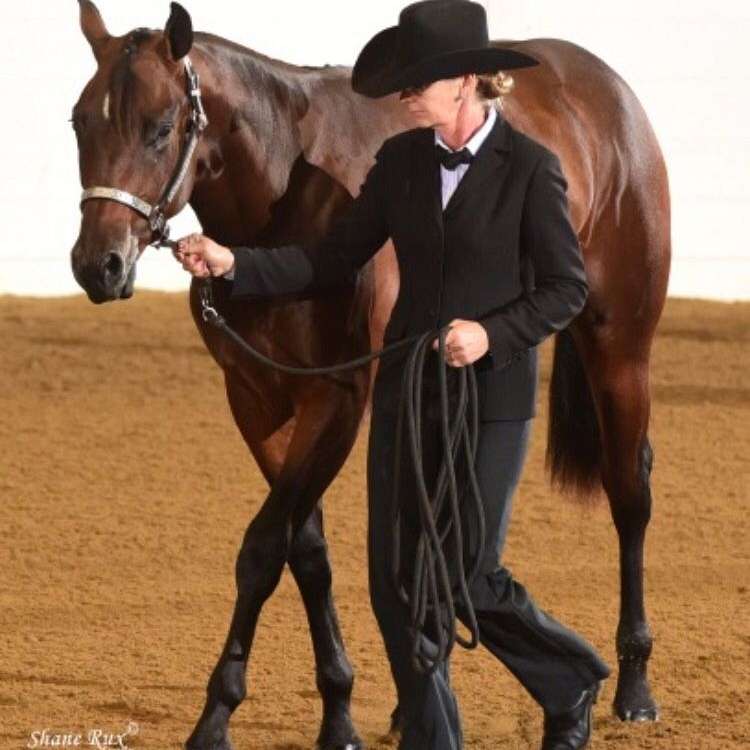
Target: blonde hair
{"points": [[493, 87]]}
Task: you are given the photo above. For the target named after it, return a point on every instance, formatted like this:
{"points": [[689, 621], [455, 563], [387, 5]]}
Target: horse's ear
{"points": [[178, 32], [92, 26]]}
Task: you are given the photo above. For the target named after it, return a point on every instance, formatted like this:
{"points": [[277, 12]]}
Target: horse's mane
{"points": [[336, 129], [255, 69]]}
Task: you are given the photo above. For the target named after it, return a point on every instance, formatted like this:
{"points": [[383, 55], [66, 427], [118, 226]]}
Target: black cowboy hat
{"points": [[434, 39]]}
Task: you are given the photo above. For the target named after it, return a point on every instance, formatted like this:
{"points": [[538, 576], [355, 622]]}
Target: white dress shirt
{"points": [[449, 179]]}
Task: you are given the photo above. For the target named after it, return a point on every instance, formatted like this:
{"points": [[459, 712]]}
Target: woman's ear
{"points": [[462, 89], [468, 85]]}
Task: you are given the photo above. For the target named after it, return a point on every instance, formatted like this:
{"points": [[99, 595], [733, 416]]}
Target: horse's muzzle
{"points": [[107, 279]]}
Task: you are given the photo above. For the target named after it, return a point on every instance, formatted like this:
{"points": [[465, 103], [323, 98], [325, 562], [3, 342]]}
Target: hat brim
{"points": [[376, 72]]}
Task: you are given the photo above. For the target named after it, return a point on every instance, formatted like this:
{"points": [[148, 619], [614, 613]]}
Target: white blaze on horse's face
{"points": [[105, 107]]}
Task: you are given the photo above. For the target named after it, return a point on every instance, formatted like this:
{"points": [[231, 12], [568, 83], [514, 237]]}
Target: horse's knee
{"points": [[260, 561]]}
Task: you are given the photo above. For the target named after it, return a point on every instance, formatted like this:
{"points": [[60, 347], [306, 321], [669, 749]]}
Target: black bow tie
{"points": [[451, 159]]}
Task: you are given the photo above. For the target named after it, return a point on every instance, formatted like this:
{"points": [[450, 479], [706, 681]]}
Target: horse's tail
{"points": [[573, 438]]}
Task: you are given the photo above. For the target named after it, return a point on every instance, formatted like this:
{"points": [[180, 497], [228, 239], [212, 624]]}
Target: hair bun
{"points": [[492, 86]]}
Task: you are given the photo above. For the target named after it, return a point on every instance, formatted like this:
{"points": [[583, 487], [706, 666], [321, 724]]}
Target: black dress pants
{"points": [[553, 663]]}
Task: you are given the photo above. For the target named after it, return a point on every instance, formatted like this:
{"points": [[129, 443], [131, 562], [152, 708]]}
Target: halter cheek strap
{"points": [[156, 216]]}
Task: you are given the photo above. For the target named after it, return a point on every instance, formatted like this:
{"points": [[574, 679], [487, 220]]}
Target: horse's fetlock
{"points": [[336, 680], [635, 645], [227, 683]]}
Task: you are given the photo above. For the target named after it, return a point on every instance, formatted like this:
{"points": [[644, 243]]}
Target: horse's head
{"points": [[130, 122]]}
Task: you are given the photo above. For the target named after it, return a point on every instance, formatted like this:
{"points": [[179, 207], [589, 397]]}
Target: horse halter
{"points": [[156, 215]]}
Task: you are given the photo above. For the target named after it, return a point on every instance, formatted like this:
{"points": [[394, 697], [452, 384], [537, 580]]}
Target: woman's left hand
{"points": [[465, 342]]}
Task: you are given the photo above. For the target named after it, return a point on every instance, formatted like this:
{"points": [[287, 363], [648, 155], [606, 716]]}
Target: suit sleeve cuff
{"points": [[499, 352], [243, 275]]}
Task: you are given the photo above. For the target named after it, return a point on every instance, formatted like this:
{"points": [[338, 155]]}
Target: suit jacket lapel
{"points": [[492, 162], [427, 205]]}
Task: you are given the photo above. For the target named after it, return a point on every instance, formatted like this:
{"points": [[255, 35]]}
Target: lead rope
{"points": [[431, 595]]}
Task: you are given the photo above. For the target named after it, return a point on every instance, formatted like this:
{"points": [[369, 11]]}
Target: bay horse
{"points": [[285, 149]]}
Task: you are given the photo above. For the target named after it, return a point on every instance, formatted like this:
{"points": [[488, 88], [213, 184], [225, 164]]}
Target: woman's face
{"points": [[434, 106]]}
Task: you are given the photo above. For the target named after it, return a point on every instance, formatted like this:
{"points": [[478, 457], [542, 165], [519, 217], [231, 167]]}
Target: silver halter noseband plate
{"points": [[156, 216]]}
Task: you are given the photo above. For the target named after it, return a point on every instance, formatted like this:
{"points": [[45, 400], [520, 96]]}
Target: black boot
{"points": [[571, 730]]}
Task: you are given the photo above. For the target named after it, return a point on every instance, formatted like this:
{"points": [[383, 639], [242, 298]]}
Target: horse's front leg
{"points": [[332, 413], [324, 431], [259, 565], [308, 560]]}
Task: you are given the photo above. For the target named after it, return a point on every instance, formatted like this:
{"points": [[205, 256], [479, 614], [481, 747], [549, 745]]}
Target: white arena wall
{"points": [[685, 61]]}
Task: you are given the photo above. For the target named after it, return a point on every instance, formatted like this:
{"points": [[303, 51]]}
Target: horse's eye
{"points": [[158, 139]]}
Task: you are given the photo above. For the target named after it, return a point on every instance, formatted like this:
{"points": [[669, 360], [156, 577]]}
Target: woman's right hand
{"points": [[202, 257]]}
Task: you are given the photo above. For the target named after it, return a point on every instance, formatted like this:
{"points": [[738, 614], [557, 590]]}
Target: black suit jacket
{"points": [[502, 253]]}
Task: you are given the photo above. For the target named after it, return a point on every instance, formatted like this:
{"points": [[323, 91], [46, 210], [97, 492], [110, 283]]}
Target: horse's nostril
{"points": [[113, 265]]}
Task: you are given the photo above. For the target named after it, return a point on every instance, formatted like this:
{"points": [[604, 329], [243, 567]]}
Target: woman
{"points": [[479, 218]]}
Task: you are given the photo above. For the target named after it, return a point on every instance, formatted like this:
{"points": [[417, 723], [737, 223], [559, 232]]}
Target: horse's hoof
{"points": [[633, 701], [641, 714], [222, 744], [352, 744], [343, 737], [639, 707], [204, 741]]}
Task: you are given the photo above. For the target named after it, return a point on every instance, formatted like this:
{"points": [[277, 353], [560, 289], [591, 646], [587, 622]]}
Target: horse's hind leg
{"points": [[308, 560], [618, 375]]}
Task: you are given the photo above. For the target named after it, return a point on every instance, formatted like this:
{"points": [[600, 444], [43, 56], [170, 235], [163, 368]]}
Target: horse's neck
{"points": [[247, 151], [264, 114]]}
